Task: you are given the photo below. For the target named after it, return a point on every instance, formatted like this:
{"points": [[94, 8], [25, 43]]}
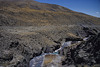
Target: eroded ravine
{"points": [[40, 61], [30, 46]]}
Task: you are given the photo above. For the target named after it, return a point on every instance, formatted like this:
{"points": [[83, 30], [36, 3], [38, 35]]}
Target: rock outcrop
{"points": [[86, 53]]}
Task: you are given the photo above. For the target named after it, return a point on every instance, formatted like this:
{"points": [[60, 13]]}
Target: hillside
{"points": [[28, 13], [29, 29]]}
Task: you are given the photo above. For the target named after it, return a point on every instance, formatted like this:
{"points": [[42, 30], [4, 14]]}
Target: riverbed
{"points": [[39, 60]]}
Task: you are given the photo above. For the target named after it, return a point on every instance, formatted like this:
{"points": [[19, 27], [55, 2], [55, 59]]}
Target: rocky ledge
{"points": [[87, 53]]}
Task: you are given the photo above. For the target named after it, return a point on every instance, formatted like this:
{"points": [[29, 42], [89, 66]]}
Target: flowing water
{"points": [[39, 60]]}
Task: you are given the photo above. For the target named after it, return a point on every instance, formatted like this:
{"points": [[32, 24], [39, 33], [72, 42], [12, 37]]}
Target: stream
{"points": [[39, 60]]}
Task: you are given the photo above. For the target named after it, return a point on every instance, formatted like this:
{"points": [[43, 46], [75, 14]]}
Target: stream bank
{"points": [[18, 49], [75, 52]]}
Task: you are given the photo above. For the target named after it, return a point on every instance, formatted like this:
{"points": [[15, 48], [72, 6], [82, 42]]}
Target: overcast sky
{"points": [[91, 7]]}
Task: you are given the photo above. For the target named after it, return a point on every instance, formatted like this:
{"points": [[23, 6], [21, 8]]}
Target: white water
{"points": [[65, 44], [38, 61]]}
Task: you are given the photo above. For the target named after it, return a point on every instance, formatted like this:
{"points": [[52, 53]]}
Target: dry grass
{"points": [[48, 41], [28, 16], [48, 59], [27, 33], [72, 35]]}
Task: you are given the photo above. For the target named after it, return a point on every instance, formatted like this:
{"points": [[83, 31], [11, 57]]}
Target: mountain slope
{"points": [[28, 12]]}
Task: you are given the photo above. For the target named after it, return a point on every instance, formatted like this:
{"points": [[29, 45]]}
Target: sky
{"points": [[90, 7]]}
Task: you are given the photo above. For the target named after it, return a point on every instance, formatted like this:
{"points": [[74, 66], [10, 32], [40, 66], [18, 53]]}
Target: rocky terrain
{"points": [[29, 29], [86, 53]]}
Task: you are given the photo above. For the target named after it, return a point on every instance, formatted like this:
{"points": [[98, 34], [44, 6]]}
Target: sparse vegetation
{"points": [[29, 28]]}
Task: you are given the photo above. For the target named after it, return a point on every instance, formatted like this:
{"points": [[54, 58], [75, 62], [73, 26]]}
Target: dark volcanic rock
{"points": [[5, 55], [14, 44], [74, 39], [87, 53]]}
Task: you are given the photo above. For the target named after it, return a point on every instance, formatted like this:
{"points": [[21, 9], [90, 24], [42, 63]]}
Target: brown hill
{"points": [[28, 12]]}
